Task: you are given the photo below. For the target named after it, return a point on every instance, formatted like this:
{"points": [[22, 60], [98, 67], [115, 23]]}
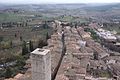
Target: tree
{"points": [[71, 24], [47, 36], [45, 25], [20, 61], [24, 48], [42, 43], [15, 35], [76, 25], [1, 39], [31, 45], [26, 24], [8, 72], [21, 38], [11, 44]]}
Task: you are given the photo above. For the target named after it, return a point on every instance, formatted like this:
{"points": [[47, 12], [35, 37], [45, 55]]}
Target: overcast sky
{"points": [[58, 1]]}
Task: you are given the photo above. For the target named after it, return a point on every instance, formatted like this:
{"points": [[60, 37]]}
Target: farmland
{"points": [[16, 33]]}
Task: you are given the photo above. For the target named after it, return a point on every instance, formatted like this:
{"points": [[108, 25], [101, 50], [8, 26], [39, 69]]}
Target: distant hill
{"points": [[96, 7], [43, 6], [103, 7]]}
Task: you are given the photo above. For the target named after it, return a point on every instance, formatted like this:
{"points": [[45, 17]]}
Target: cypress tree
{"points": [[24, 48], [31, 46], [47, 36]]}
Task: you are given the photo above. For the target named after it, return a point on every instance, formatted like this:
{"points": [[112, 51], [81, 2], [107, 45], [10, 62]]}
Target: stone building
{"points": [[41, 64]]}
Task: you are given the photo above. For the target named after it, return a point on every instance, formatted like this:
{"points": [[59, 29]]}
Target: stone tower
{"points": [[41, 64]]}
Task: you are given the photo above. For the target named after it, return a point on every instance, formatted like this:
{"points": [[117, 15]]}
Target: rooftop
{"points": [[40, 51]]}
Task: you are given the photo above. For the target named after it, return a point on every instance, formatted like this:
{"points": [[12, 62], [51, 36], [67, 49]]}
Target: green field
{"points": [[7, 17]]}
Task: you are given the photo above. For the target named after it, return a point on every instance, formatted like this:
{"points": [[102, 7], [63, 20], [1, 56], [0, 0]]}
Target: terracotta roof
{"points": [[61, 77]]}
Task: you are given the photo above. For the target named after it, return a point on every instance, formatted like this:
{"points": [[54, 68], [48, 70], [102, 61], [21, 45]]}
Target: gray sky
{"points": [[58, 1]]}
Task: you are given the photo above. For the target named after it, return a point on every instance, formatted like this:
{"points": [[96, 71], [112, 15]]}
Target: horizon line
{"points": [[61, 3]]}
